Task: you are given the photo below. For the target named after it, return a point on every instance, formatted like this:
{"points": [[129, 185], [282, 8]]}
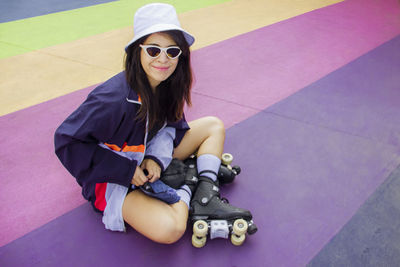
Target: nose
{"points": [[163, 57]]}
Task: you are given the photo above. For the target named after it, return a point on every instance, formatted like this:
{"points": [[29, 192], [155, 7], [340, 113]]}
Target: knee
{"points": [[173, 232], [216, 125]]}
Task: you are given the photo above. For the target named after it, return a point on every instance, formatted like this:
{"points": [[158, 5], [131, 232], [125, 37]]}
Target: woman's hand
{"points": [[152, 168], [139, 178]]}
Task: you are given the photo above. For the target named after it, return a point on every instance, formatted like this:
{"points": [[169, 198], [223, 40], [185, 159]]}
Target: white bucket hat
{"points": [[156, 17]]}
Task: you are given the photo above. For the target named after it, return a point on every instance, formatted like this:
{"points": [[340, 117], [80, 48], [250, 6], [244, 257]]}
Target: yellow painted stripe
{"points": [[56, 28], [47, 73]]}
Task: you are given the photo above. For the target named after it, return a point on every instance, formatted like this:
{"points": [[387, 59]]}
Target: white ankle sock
{"points": [[185, 194], [208, 164]]}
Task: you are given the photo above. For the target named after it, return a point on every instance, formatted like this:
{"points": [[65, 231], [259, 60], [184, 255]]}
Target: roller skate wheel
{"points": [[227, 159], [239, 227], [198, 242], [237, 240], [200, 228]]}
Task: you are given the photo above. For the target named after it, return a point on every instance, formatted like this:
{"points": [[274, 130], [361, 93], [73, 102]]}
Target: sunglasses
{"points": [[154, 51]]}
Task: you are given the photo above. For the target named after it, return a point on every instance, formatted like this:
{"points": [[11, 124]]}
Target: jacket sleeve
{"points": [[181, 128], [78, 137], [160, 148]]}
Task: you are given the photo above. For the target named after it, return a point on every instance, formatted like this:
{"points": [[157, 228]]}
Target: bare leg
{"points": [[157, 220], [206, 136]]}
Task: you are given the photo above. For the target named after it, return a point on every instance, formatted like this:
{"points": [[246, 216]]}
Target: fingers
{"points": [[154, 173], [153, 170], [154, 176], [139, 178]]}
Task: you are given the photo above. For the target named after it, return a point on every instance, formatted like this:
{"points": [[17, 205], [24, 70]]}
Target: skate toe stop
{"points": [[252, 229]]}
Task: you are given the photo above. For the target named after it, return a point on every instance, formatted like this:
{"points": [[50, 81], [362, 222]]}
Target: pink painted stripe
{"points": [[235, 79]]}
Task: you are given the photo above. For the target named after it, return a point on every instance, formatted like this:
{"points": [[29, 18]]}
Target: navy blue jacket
{"points": [[97, 143]]}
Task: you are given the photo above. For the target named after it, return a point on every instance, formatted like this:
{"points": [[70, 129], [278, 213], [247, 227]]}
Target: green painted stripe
{"points": [[17, 37], [8, 49]]}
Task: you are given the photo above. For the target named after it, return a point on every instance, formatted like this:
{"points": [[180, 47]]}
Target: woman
{"points": [[128, 130]]}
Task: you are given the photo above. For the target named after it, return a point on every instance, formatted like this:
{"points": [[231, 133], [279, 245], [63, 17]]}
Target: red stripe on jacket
{"points": [[100, 192]]}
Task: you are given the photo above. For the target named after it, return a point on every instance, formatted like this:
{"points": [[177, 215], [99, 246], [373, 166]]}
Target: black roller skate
{"points": [[215, 216], [177, 174], [227, 173]]}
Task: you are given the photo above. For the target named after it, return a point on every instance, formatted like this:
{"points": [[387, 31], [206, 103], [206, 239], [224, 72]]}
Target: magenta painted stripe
{"points": [[235, 79], [262, 67], [34, 187]]}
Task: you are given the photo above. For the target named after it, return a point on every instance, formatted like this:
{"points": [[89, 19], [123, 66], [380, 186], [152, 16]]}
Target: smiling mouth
{"points": [[161, 68]]}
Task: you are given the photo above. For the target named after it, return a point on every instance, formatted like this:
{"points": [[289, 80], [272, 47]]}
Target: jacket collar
{"points": [[133, 96]]}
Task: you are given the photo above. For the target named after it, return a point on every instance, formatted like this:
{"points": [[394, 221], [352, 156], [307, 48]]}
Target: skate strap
{"points": [[174, 175], [208, 180], [207, 171], [192, 180]]}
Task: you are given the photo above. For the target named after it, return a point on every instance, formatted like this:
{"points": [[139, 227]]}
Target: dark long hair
{"points": [[170, 96]]}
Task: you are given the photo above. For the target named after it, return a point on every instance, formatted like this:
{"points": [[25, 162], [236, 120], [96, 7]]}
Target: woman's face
{"points": [[160, 68]]}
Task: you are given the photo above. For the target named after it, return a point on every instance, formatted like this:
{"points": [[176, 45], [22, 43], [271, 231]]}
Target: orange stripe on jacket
{"points": [[113, 147], [125, 148], [139, 148]]}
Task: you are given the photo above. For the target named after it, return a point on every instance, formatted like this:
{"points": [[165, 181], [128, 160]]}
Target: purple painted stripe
{"points": [[356, 106], [359, 105], [247, 73], [302, 183], [372, 236]]}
